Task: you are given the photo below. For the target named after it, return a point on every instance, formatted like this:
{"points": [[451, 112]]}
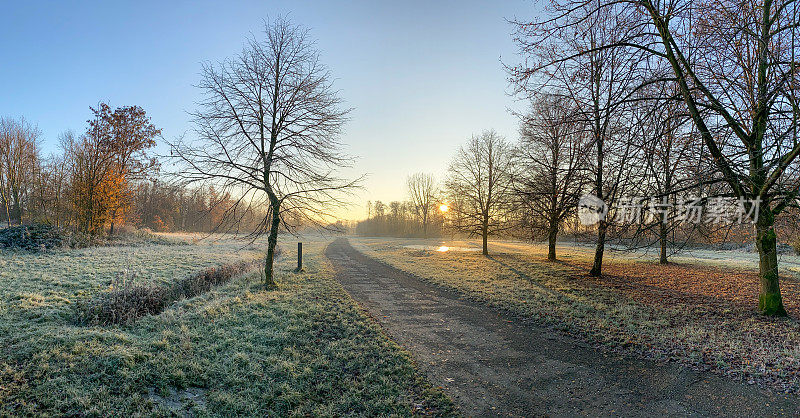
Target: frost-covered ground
{"points": [[304, 349], [56, 278], [788, 263]]}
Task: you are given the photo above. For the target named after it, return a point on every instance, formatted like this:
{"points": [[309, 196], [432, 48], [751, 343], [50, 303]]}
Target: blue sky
{"points": [[422, 76]]}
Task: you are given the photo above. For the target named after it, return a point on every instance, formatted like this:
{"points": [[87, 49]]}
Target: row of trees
{"points": [[404, 219], [533, 188], [676, 101], [713, 84], [419, 216], [165, 207]]}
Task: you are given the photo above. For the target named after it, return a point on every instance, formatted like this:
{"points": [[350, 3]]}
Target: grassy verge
{"points": [[305, 349], [699, 315]]}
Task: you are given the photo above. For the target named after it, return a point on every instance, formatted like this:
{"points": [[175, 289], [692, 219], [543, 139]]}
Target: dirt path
{"points": [[491, 364]]}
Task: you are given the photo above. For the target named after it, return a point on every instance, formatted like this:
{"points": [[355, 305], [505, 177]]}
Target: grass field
{"points": [[698, 314], [305, 349]]}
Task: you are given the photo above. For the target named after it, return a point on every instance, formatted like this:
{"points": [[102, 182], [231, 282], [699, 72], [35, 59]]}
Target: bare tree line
{"points": [[167, 207], [403, 218], [714, 81]]}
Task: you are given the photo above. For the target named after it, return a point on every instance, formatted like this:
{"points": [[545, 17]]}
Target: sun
{"points": [[443, 207]]}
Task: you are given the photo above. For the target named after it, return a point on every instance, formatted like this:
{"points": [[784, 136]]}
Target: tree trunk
{"points": [[552, 235], [16, 213], [597, 267], [272, 241], [769, 301], [16, 207], [113, 217], [485, 234], [8, 214], [662, 237]]}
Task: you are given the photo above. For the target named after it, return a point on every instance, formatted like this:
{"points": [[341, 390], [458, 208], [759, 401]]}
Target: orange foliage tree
{"points": [[104, 161]]}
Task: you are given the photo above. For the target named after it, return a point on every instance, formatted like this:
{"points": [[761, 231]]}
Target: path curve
{"points": [[494, 365]]}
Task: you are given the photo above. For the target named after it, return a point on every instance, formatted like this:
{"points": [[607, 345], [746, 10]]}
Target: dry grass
{"points": [[700, 315]]}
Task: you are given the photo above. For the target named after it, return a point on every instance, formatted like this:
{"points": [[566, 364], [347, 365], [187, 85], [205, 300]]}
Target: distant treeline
{"points": [[165, 208], [398, 219]]}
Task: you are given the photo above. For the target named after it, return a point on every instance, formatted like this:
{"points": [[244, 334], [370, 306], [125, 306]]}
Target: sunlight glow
{"points": [[442, 249], [443, 207]]}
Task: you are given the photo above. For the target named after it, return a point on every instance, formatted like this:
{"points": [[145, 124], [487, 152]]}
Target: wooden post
{"points": [[299, 256]]}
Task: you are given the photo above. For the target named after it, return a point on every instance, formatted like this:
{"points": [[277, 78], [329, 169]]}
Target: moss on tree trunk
{"points": [[769, 300], [272, 241]]}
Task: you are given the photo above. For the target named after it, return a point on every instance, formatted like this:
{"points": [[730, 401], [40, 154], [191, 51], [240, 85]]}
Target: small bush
{"points": [[203, 281], [124, 302], [39, 237], [127, 300]]}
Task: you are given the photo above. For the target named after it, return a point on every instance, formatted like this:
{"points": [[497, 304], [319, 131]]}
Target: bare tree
{"points": [[48, 200], [573, 63], [422, 190], [735, 66], [551, 161], [670, 158], [18, 159], [93, 187], [267, 130], [480, 180]]}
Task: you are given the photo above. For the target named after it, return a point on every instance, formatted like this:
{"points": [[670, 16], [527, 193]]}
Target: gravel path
{"points": [[495, 365]]}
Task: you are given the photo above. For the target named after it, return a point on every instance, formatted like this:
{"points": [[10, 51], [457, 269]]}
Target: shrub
{"points": [[40, 237], [203, 281], [36, 237], [123, 303], [796, 245], [127, 300]]}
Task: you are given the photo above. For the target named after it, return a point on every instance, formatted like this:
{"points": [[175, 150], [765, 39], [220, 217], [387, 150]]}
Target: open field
{"points": [[701, 315], [303, 349]]}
